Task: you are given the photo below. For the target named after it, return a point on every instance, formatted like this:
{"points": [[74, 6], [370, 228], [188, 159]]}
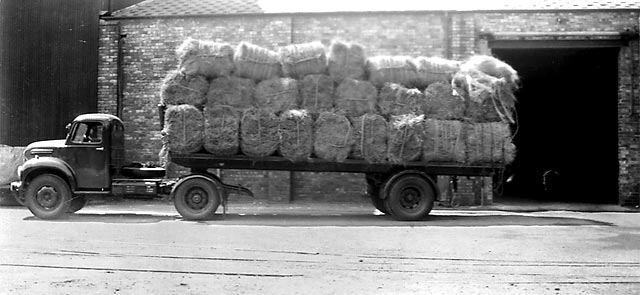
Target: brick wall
{"points": [[148, 54]]}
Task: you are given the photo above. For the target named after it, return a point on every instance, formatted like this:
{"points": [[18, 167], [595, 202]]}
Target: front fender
{"points": [[39, 165]]}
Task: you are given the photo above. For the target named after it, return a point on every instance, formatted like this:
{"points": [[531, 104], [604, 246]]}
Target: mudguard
{"points": [[39, 165]]}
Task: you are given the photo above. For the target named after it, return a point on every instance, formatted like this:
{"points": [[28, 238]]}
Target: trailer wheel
{"points": [[48, 196], [196, 198], [410, 197], [77, 203], [373, 191]]}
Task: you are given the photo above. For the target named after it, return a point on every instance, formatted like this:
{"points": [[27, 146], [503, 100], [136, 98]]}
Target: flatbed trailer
{"points": [[405, 191]]}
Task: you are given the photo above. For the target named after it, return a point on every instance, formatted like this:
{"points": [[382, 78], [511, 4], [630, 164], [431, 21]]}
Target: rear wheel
{"points": [[48, 196], [196, 198], [410, 197]]}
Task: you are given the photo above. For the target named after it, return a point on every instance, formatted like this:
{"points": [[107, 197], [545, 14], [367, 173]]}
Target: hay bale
{"points": [[259, 133], [206, 58], [183, 129], [487, 78], [404, 141], [221, 130], [346, 60], [440, 103], [255, 62], [395, 99], [333, 137], [10, 159], [178, 88], [444, 141], [316, 94], [278, 94], [370, 135], [299, 60], [484, 111], [296, 135], [430, 70], [232, 91], [356, 98], [391, 69], [489, 143]]}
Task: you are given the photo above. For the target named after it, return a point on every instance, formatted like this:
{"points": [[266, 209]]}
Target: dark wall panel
{"points": [[48, 66]]}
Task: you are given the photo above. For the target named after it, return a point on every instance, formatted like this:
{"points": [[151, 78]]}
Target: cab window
{"points": [[88, 133]]}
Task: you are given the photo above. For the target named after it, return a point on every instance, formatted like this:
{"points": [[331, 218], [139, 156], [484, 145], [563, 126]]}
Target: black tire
{"points": [[373, 191], [77, 203], [48, 196], [196, 198], [410, 197]]}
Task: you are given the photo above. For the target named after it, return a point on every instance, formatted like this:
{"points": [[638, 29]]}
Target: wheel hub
{"points": [[47, 197], [410, 198], [196, 199]]}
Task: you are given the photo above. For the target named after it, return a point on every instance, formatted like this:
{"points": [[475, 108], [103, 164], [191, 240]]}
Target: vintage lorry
{"points": [[59, 176]]}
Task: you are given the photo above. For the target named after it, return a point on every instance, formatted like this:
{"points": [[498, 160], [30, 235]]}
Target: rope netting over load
{"points": [[330, 101]]}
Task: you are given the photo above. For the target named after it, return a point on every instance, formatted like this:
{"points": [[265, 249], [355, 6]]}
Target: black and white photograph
{"points": [[331, 147]]}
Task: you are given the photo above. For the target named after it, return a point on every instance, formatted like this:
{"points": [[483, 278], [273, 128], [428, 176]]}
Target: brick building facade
{"points": [[137, 51]]}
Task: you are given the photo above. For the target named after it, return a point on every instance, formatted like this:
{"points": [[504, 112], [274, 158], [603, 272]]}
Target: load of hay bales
{"points": [[370, 136], [259, 132], [440, 103], [183, 129], [299, 60], [489, 143], [206, 58], [391, 69], [355, 98], [178, 88], [404, 141], [434, 69], [232, 91], [10, 158], [395, 99], [296, 135], [278, 94], [221, 129], [256, 62], [316, 94], [333, 137], [444, 141], [346, 60], [484, 78]]}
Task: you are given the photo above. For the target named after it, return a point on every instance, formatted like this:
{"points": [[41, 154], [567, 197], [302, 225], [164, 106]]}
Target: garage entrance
{"points": [[567, 124]]}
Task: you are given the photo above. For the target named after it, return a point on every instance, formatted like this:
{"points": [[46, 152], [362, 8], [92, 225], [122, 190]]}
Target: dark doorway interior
{"points": [[567, 123]]}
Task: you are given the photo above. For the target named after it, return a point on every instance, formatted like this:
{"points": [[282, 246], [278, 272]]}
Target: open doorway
{"points": [[567, 124]]}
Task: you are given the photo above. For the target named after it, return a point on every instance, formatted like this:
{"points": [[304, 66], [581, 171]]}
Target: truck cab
{"points": [[58, 175]]}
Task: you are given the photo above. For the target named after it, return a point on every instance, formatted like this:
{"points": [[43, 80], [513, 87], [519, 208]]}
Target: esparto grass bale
{"points": [[256, 62], [444, 141], [278, 94], [346, 60], [489, 143], [391, 69], [300, 60], [370, 136], [206, 58], [183, 129], [434, 69], [232, 91], [296, 135], [221, 130], [259, 132], [10, 158], [316, 94], [333, 137], [178, 88], [355, 98], [404, 141], [395, 99], [440, 103]]}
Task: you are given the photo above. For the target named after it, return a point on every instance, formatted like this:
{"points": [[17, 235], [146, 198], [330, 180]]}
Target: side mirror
{"points": [[68, 127]]}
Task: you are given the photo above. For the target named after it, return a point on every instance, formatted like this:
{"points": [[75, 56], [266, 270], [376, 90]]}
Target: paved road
{"points": [[325, 249]]}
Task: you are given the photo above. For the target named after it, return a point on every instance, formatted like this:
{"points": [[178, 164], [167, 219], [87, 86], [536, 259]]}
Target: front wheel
{"points": [[48, 196], [196, 198], [410, 197]]}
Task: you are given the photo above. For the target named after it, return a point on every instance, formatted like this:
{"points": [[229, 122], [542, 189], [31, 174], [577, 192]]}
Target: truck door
{"points": [[88, 155]]}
